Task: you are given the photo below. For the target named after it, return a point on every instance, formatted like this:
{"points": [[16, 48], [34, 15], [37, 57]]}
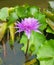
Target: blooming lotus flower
{"points": [[28, 25]]}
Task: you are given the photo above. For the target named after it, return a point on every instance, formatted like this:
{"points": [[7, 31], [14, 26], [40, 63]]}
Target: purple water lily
{"points": [[28, 25]]}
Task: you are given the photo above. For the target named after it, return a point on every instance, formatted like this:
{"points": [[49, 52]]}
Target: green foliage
{"points": [[38, 44], [4, 14], [12, 17], [49, 30], [50, 23], [33, 10], [21, 11], [46, 53], [36, 41], [49, 15], [42, 20], [48, 62], [26, 11]]}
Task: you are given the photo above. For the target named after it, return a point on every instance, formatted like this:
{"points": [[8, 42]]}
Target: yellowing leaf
{"points": [[49, 15], [30, 62], [3, 27], [50, 23], [10, 9], [12, 33]]}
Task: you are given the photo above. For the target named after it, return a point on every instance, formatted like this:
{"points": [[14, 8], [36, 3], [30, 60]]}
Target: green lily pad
{"points": [[46, 53], [4, 13]]}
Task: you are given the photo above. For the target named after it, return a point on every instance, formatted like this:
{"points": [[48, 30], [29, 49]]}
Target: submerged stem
{"points": [[8, 35], [4, 48]]}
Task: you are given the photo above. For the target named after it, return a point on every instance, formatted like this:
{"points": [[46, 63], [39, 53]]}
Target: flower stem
{"points": [[27, 47]]}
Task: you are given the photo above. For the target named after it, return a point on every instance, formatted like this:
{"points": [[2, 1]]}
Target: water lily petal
{"points": [[28, 34], [28, 25]]}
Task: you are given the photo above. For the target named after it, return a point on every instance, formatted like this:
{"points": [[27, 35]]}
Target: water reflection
{"points": [[12, 58]]}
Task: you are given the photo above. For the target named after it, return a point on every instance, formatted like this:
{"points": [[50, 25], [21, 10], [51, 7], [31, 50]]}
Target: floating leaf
{"points": [[4, 13], [46, 53], [13, 17], [33, 10], [50, 23], [11, 9], [21, 11], [49, 30], [48, 62], [49, 15], [42, 20]]}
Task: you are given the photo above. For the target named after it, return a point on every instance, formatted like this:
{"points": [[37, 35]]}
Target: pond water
{"points": [[8, 3], [13, 57], [18, 58]]}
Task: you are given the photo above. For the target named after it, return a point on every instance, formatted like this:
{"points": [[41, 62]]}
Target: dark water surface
{"points": [[12, 58], [8, 3]]}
